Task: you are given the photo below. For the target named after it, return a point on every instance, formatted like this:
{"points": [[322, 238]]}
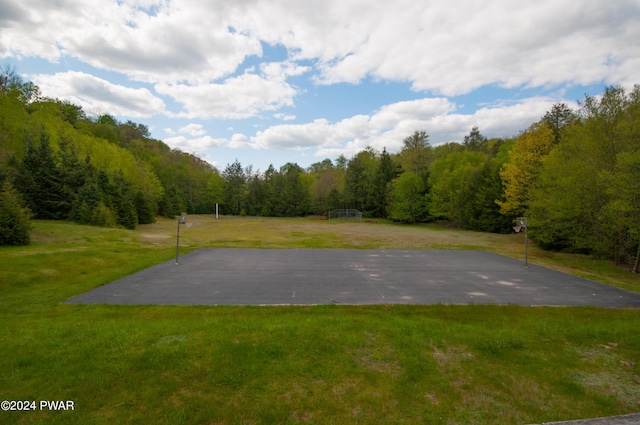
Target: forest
{"points": [[575, 174]]}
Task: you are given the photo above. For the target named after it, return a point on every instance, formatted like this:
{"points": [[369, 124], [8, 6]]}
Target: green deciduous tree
{"points": [[580, 200], [521, 171], [71, 113], [480, 210], [13, 119], [292, 191], [326, 187], [450, 179], [563, 201], [11, 83], [622, 212], [408, 202], [415, 155], [215, 190], [105, 127]]}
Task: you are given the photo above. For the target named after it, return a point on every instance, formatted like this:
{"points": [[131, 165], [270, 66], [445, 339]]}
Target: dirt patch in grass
{"points": [[612, 375], [377, 356], [451, 356], [154, 238]]}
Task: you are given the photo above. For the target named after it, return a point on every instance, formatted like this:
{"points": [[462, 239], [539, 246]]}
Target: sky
{"points": [[276, 81]]}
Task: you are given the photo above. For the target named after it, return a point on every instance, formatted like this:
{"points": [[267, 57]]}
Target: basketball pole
{"points": [[182, 219], [524, 222], [526, 246]]}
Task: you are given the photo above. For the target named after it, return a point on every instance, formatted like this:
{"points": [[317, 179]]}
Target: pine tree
{"points": [[41, 183], [88, 198], [172, 202], [558, 119], [474, 139], [145, 209], [386, 172], [14, 217], [122, 202], [235, 184], [73, 173]]}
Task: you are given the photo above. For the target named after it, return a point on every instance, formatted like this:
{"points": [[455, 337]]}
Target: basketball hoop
{"points": [[517, 228], [188, 224]]}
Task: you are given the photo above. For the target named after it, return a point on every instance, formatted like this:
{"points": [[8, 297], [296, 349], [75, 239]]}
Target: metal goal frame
{"points": [[345, 214]]}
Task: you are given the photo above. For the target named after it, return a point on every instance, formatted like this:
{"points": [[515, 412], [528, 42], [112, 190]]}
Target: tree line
{"points": [[63, 165], [575, 174]]}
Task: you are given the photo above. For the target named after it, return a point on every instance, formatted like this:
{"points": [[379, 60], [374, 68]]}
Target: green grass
{"points": [[287, 365]]}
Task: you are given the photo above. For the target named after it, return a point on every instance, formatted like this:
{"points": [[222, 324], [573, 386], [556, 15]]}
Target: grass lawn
{"points": [[286, 365]]}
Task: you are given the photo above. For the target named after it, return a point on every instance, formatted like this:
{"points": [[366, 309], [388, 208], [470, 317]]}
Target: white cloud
{"points": [[431, 44], [284, 117], [238, 97], [388, 127], [294, 136], [239, 141], [197, 146], [498, 121], [151, 42], [193, 130], [415, 110], [98, 95], [436, 47]]}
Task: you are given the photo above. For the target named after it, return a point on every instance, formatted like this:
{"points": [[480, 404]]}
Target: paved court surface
{"points": [[614, 420], [345, 276]]}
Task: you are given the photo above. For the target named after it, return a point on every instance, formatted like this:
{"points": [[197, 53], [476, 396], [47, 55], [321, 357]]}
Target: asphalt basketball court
{"points": [[346, 276], [325, 276]]}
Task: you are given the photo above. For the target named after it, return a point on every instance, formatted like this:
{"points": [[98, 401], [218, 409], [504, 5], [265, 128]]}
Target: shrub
{"points": [[103, 216], [14, 217]]}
